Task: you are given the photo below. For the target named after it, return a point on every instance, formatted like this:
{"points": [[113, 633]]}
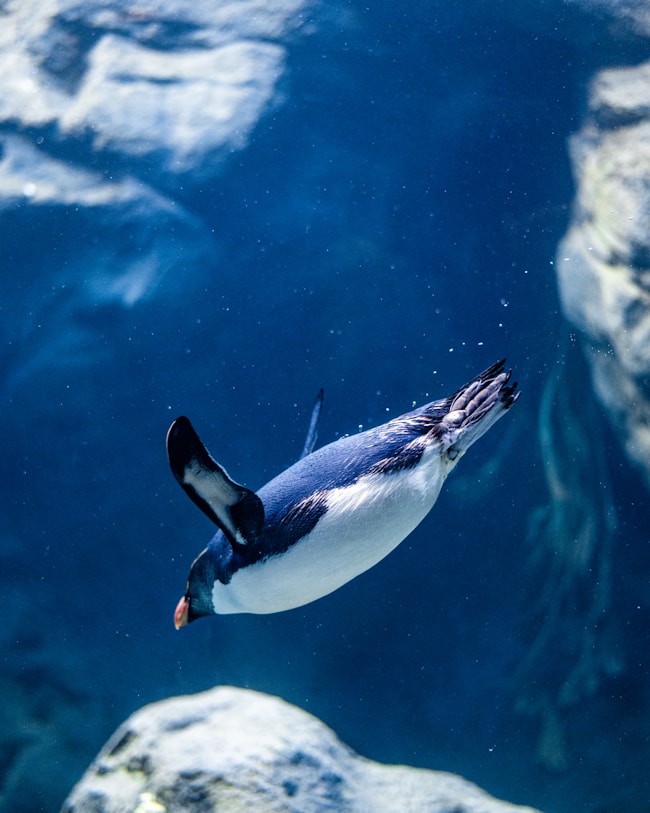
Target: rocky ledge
{"points": [[239, 750], [603, 262]]}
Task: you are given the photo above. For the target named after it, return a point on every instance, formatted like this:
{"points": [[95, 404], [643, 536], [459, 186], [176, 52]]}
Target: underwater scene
{"points": [[212, 212]]}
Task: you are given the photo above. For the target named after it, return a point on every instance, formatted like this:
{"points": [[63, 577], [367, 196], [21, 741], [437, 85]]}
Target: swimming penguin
{"points": [[332, 515]]}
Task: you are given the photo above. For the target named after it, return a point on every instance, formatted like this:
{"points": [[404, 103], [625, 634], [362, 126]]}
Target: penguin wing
{"points": [[238, 511]]}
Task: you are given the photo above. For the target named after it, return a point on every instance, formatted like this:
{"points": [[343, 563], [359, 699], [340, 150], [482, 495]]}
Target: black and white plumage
{"points": [[332, 515]]}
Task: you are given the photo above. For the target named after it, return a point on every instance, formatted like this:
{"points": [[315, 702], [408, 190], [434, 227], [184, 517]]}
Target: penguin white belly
{"points": [[363, 523]]}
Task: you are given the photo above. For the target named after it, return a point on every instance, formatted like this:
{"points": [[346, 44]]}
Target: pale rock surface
{"points": [[239, 750], [181, 84], [111, 115], [118, 110], [603, 262], [184, 112]]}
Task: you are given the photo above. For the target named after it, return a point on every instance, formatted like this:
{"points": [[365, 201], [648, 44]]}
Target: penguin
{"points": [[334, 513]]}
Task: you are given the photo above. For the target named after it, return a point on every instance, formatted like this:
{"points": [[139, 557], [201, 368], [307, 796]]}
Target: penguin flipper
{"points": [[312, 432], [237, 510]]}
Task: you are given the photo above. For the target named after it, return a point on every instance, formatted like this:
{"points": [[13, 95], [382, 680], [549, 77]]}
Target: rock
{"points": [[603, 262], [172, 88], [111, 116], [200, 105], [238, 750]]}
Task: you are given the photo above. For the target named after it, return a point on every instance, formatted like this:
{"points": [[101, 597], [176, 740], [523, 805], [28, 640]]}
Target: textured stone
{"points": [[78, 66], [110, 116], [238, 750], [603, 262], [181, 113], [112, 111]]}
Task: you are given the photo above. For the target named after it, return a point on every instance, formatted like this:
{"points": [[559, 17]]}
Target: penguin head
{"points": [[197, 599]]}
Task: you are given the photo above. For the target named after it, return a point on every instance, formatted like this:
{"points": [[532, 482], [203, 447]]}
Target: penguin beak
{"points": [[182, 612]]}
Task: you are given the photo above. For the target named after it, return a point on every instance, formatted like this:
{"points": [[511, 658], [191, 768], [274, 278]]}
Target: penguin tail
{"points": [[476, 407]]}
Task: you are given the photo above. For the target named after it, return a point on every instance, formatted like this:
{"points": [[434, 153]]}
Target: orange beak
{"points": [[181, 614]]}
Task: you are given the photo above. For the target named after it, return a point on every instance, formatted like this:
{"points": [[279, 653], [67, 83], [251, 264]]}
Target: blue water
{"points": [[389, 232]]}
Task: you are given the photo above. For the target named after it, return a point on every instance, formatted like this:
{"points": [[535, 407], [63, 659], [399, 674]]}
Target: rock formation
{"points": [[109, 115], [603, 262], [239, 750]]}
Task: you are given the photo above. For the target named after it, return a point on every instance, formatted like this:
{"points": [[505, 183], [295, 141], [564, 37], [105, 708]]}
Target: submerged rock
{"points": [[110, 116], [179, 113], [114, 112], [238, 750], [603, 262], [169, 89]]}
